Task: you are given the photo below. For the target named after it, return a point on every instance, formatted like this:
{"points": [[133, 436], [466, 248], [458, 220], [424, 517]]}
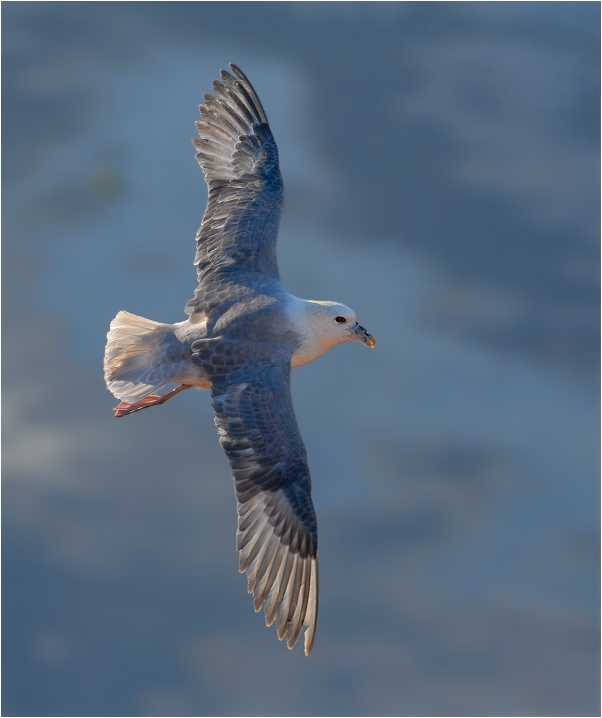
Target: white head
{"points": [[326, 324], [337, 323]]}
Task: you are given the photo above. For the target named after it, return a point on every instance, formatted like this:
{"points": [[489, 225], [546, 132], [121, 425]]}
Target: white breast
{"points": [[307, 352], [310, 324]]}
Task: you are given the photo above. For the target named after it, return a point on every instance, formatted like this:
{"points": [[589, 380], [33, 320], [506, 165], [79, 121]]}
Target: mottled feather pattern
{"points": [[239, 158], [277, 528]]}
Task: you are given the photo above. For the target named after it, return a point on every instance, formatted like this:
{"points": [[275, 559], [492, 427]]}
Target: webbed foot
{"points": [[151, 400], [124, 409]]}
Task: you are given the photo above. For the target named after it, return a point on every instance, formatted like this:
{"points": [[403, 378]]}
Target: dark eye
{"points": [[340, 320]]}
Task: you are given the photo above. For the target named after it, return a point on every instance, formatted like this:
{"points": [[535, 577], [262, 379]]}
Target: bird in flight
{"points": [[243, 335]]}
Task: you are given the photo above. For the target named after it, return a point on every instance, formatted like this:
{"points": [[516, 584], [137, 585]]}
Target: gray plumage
{"points": [[244, 334]]}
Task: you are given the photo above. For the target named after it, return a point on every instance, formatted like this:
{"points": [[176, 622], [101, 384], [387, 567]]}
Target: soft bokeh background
{"points": [[441, 171]]}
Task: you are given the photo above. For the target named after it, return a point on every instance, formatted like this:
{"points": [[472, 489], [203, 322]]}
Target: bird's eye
{"points": [[340, 320]]}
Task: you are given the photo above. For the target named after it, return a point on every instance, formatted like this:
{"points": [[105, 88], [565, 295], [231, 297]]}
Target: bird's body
{"points": [[244, 334]]}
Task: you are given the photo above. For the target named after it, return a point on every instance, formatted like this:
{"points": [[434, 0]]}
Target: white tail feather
{"points": [[133, 357]]}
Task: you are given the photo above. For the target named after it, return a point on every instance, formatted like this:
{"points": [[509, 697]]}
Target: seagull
{"points": [[243, 335]]}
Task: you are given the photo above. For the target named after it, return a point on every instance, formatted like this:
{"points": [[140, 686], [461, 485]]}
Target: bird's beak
{"points": [[358, 332]]}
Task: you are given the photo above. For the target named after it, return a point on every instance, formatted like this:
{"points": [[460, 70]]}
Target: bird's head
{"points": [[337, 323]]}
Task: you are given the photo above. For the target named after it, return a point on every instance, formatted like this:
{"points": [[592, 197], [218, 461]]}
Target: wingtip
{"points": [[237, 71], [308, 639]]}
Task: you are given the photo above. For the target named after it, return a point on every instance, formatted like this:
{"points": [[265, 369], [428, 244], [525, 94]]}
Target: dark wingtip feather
{"points": [[240, 75]]}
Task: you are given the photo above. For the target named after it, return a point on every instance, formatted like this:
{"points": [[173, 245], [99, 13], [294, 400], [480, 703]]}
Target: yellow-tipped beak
{"points": [[358, 332]]}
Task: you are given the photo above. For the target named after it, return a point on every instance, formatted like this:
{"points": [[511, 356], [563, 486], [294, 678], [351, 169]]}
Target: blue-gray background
{"points": [[442, 177]]}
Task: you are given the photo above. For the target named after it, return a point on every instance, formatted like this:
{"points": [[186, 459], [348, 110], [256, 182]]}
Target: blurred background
{"points": [[441, 169]]}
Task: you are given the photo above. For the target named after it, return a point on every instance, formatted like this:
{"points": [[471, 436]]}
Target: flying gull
{"points": [[243, 335]]}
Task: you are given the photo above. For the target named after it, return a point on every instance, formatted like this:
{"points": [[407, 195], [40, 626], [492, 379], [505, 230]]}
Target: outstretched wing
{"points": [[239, 158], [277, 532]]}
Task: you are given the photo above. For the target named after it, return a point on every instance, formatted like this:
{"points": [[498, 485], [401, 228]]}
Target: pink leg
{"points": [[152, 400]]}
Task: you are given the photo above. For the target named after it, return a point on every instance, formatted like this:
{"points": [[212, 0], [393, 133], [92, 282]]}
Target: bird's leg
{"points": [[151, 400]]}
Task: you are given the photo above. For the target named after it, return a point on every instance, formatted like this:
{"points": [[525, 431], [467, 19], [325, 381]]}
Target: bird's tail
{"points": [[133, 363]]}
